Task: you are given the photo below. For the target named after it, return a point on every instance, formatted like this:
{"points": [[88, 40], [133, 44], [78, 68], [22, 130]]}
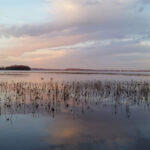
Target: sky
{"points": [[98, 34]]}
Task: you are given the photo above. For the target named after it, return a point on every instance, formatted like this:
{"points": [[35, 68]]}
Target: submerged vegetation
{"points": [[73, 97], [16, 67]]}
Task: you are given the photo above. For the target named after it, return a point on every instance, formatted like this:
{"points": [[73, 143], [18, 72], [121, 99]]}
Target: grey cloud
{"points": [[94, 25], [118, 55], [141, 9], [31, 30], [145, 1]]}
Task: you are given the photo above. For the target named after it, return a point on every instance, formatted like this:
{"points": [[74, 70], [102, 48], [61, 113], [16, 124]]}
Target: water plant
{"points": [[52, 97]]}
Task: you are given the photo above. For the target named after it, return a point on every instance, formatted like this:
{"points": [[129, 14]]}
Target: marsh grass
{"points": [[73, 97]]}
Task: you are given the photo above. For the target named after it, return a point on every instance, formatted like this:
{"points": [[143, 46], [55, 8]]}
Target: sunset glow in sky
{"points": [[99, 34]]}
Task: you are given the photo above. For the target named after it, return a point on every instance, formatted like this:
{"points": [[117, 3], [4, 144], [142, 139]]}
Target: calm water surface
{"points": [[35, 114]]}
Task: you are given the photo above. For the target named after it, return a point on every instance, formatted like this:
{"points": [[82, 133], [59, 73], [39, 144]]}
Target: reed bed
{"points": [[52, 97]]}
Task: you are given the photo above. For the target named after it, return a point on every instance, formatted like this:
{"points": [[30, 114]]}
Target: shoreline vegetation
{"points": [[74, 97], [77, 71], [16, 67], [24, 67]]}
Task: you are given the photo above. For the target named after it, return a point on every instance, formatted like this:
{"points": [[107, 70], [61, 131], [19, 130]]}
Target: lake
{"points": [[73, 111]]}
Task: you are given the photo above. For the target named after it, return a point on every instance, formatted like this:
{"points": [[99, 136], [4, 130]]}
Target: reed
{"points": [[53, 97]]}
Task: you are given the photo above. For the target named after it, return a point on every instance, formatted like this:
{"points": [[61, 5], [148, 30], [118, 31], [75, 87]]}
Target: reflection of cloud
{"points": [[66, 133], [95, 131]]}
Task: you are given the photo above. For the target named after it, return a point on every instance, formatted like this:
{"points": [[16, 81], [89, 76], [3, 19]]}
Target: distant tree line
{"points": [[16, 67]]}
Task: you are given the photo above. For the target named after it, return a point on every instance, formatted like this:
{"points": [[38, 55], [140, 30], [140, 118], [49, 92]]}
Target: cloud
{"points": [[75, 14], [83, 33]]}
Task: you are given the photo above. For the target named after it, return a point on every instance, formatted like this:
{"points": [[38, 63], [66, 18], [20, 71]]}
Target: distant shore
{"points": [[87, 70], [72, 70], [16, 67]]}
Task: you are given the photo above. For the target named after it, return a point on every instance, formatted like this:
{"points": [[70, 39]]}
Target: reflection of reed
{"points": [[51, 97]]}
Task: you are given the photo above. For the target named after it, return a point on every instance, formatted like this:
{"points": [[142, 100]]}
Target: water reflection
{"points": [[85, 115], [98, 134]]}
